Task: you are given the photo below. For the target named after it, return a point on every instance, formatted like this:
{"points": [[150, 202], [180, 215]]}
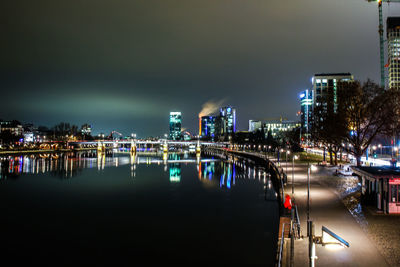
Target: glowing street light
{"points": [[287, 152], [328, 239], [294, 157]]}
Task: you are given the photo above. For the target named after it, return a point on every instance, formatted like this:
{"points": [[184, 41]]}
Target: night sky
{"points": [[124, 65]]}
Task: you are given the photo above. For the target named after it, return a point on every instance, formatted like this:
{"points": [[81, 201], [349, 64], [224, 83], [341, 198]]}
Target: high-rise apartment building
{"points": [[393, 42], [324, 90], [175, 125]]}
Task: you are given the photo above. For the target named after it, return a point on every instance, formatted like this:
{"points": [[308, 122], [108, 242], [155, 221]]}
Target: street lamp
{"points": [[281, 151], [308, 198], [328, 239], [394, 150], [287, 152], [294, 157], [380, 146]]}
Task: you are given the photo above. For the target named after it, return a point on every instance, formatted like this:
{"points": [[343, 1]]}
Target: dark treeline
{"points": [[287, 140], [64, 131], [13, 132]]}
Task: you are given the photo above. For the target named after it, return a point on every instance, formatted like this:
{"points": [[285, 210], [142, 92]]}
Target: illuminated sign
{"points": [[394, 181]]}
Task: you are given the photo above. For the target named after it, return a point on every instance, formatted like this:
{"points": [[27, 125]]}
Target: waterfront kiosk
{"points": [[381, 187]]}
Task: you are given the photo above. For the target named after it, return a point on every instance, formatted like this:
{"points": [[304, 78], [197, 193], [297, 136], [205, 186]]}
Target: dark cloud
{"points": [[124, 65]]}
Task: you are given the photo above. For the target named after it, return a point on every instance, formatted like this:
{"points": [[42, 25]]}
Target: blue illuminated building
{"points": [[226, 122], [306, 102], [208, 126], [175, 125]]}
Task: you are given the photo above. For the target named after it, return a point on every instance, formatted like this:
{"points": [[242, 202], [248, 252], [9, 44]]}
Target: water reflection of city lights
{"points": [[211, 171]]}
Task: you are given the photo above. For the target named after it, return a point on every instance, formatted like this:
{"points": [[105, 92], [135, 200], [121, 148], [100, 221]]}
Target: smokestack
{"points": [[199, 125]]}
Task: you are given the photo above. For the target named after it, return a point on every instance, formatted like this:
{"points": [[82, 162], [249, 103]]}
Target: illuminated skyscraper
{"points": [[325, 89], [208, 126], [228, 120], [306, 102], [393, 41], [175, 125]]}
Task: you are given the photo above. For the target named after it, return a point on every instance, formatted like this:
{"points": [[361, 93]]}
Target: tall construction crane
{"points": [[381, 41]]}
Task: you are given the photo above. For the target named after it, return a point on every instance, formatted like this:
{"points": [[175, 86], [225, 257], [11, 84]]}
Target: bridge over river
{"points": [[146, 145]]}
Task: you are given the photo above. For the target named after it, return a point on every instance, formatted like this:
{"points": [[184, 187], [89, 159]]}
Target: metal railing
{"points": [[297, 225], [280, 255]]}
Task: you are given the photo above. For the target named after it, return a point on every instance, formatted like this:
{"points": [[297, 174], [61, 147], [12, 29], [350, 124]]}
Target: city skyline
{"points": [[119, 66]]}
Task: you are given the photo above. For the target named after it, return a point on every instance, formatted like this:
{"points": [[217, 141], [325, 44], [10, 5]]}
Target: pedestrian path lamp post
{"points": [[287, 152], [293, 158], [292, 218], [309, 169], [308, 199], [328, 239], [279, 152]]}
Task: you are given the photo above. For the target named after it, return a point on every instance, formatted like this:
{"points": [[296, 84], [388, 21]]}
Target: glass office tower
{"points": [[175, 125]]}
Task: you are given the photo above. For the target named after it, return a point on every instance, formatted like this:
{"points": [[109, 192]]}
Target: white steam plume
{"points": [[210, 107]]}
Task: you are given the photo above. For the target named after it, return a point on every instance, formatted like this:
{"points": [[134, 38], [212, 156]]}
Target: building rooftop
{"points": [[281, 121], [333, 74], [380, 172], [392, 22]]}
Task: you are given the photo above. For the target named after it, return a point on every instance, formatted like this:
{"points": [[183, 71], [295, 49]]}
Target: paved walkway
{"points": [[328, 210]]}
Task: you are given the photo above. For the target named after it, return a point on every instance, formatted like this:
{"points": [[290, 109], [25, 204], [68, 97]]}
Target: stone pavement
{"points": [[327, 209]]}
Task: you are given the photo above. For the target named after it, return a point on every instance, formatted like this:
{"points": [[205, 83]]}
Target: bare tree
{"points": [[328, 127], [368, 110]]}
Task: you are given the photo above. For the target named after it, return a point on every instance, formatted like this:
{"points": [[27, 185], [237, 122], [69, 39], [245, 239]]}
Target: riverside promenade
{"points": [[327, 209]]}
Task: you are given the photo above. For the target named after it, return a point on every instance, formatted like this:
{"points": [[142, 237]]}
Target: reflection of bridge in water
{"points": [[145, 145], [71, 161], [211, 169]]}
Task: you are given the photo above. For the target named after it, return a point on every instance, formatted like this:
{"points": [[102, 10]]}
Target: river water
{"points": [[80, 208]]}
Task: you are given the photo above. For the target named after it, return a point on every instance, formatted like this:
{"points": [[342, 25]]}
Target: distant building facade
{"points": [[14, 127], [187, 136], [175, 125], [393, 46], [86, 129], [277, 127], [254, 125]]}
